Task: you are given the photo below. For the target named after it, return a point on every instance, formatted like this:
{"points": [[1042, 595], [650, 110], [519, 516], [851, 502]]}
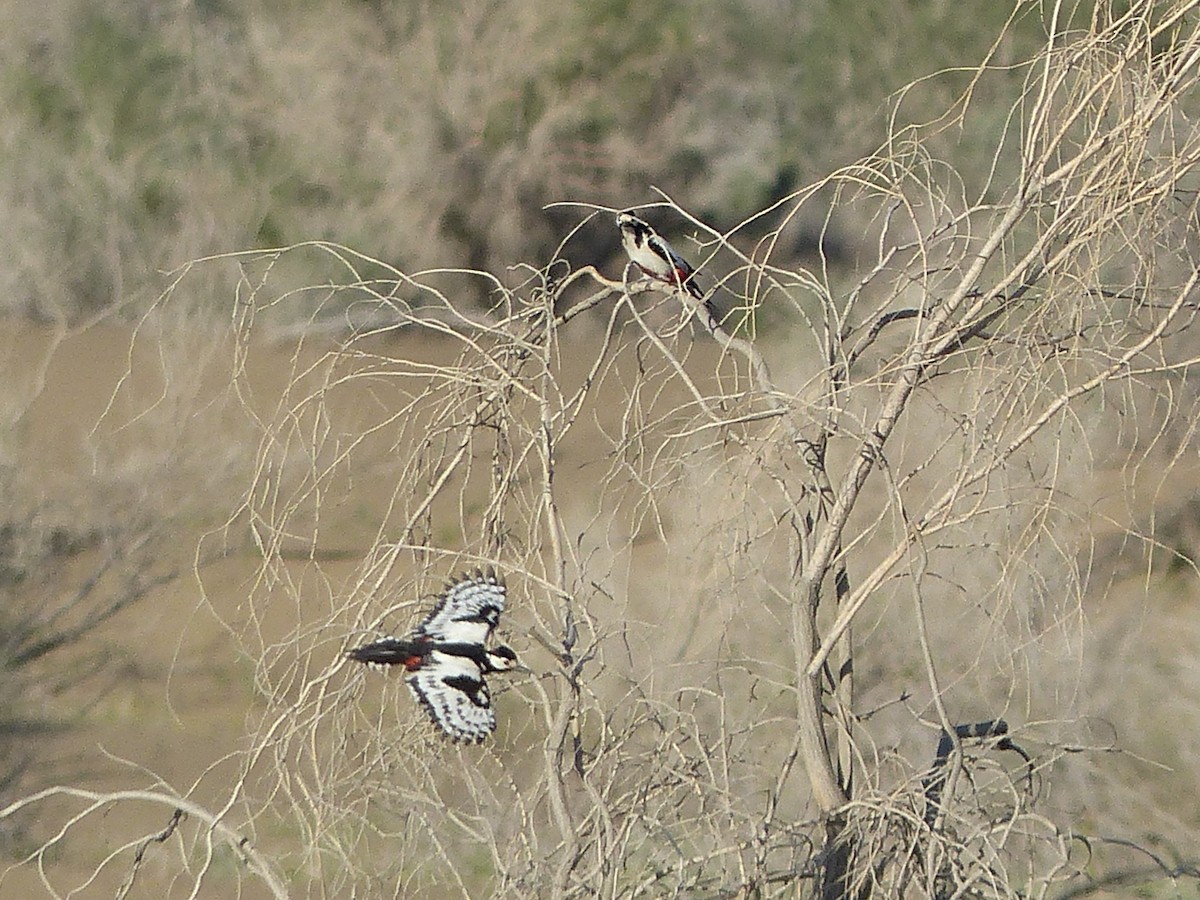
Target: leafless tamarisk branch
{"points": [[96, 801], [162, 837], [935, 781]]}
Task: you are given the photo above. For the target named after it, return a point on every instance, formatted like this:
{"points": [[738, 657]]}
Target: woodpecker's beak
{"points": [[503, 659]]}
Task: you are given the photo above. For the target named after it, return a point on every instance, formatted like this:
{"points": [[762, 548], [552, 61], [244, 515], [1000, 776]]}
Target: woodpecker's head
{"points": [[633, 228], [501, 659]]}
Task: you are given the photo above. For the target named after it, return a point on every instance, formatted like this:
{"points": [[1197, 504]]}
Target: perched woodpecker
{"points": [[654, 256], [658, 259], [447, 657]]}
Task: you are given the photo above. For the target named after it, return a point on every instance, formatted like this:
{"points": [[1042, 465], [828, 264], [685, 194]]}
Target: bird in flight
{"points": [[656, 258], [447, 656]]}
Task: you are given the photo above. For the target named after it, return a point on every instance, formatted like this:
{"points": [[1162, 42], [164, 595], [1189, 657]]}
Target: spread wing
{"points": [[453, 692], [467, 610]]}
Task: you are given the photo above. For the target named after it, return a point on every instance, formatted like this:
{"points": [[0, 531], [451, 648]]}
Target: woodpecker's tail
{"points": [[706, 302], [392, 652]]}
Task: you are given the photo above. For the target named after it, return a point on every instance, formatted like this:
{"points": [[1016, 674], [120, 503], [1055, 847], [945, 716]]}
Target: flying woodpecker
{"points": [[447, 657]]}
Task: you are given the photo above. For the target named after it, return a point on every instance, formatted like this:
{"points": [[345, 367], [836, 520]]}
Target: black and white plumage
{"points": [[655, 257], [447, 656]]}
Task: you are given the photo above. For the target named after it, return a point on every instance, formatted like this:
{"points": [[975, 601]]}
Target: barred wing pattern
{"points": [[456, 697], [467, 610], [447, 657]]}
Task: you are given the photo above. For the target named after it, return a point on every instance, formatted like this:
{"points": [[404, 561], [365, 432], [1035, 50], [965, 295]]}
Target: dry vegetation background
{"points": [[946, 433]]}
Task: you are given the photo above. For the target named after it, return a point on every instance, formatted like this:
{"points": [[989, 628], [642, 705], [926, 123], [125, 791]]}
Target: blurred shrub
{"points": [[138, 137], [60, 580], [116, 449]]}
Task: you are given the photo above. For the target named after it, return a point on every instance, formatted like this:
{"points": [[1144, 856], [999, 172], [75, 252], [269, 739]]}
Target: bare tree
{"points": [[795, 606]]}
